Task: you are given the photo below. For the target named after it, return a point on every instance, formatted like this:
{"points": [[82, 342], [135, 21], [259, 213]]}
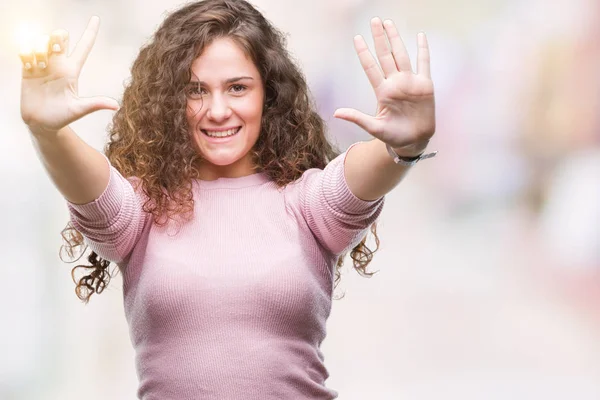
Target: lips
{"points": [[228, 130], [219, 140]]}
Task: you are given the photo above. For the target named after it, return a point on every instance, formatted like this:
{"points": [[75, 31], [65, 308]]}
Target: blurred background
{"points": [[489, 265]]}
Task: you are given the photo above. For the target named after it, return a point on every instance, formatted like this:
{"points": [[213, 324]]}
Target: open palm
{"points": [[405, 101], [49, 92]]}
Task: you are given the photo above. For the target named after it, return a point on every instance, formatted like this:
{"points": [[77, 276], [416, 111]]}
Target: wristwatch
{"points": [[408, 161]]}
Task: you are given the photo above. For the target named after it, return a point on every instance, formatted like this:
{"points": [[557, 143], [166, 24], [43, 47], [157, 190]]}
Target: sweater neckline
{"points": [[234, 183]]}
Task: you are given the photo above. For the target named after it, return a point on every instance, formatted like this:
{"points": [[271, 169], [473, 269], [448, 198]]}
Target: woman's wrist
{"points": [[42, 133], [412, 150]]}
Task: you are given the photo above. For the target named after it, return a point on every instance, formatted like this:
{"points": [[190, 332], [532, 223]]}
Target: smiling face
{"points": [[224, 98]]}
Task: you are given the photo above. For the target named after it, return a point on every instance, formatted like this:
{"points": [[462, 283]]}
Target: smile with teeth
{"points": [[226, 133]]}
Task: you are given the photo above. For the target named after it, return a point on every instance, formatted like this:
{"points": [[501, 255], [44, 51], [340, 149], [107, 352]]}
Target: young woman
{"points": [[220, 199]]}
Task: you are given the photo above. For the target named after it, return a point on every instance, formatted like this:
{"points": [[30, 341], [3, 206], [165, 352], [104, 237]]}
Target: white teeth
{"points": [[221, 133]]}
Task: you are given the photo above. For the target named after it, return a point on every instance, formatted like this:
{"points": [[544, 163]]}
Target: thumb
{"points": [[88, 105], [367, 122]]}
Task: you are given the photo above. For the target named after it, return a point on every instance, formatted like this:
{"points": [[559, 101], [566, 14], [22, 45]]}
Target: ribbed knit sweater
{"points": [[233, 303]]}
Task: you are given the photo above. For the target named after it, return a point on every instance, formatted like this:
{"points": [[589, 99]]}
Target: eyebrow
{"points": [[230, 80]]}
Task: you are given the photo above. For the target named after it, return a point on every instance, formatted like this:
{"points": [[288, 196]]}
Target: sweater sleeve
{"points": [[336, 217], [113, 223]]}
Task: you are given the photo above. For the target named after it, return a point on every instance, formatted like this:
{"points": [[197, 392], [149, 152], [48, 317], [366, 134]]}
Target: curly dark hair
{"points": [[149, 135]]}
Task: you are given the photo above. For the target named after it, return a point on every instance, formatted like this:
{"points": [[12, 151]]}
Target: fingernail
{"points": [[42, 65], [56, 47], [27, 66]]}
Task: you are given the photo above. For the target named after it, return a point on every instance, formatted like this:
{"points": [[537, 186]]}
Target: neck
{"points": [[211, 172]]}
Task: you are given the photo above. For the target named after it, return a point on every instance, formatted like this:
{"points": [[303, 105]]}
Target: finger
{"points": [[398, 47], [41, 52], [368, 62], [367, 122], [59, 42], [87, 105], [28, 59], [85, 44], [382, 49], [423, 58]]}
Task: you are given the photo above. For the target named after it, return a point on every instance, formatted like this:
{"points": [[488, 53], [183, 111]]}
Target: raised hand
{"points": [[49, 94], [405, 117]]}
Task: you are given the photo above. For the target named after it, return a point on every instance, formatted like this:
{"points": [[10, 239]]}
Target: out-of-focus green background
{"points": [[489, 282]]}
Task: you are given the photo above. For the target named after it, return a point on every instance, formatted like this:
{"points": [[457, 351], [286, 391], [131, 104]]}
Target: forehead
{"points": [[222, 59]]}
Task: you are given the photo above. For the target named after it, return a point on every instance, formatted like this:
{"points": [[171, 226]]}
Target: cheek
{"points": [[253, 115], [253, 110], [193, 111]]}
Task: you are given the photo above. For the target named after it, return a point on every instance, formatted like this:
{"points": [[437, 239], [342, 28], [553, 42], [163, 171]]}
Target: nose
{"points": [[218, 109]]}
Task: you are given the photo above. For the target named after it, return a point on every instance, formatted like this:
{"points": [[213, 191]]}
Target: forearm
{"points": [[370, 171], [78, 170]]}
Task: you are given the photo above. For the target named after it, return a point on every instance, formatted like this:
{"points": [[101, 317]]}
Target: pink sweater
{"points": [[233, 304]]}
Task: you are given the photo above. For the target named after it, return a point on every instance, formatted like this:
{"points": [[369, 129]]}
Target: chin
{"points": [[220, 161]]}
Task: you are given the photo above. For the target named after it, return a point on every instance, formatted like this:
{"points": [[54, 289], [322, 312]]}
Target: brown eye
{"points": [[194, 91], [238, 88]]}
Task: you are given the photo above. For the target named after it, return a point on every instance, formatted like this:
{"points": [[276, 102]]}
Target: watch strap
{"points": [[408, 161]]}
